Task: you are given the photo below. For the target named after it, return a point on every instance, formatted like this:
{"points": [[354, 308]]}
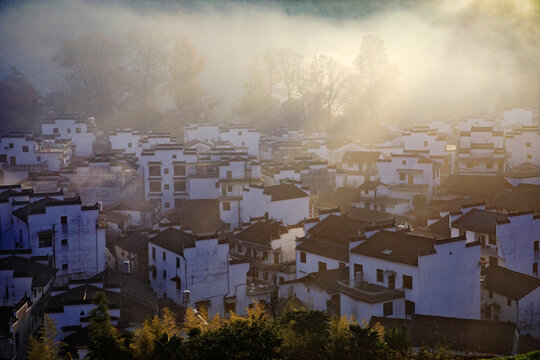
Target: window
{"points": [[404, 162], [38, 158], [3, 158], [164, 256], [388, 309], [402, 177], [366, 192], [358, 268], [78, 130], [226, 206], [64, 266], [380, 275], [166, 187], [407, 282], [45, 239], [179, 186], [322, 265], [155, 186], [509, 301], [69, 131], [55, 131], [409, 307], [179, 170], [64, 242], [229, 188], [492, 240], [528, 144], [63, 220], [11, 145], [129, 145], [154, 171], [167, 205], [529, 157], [154, 253], [302, 257], [229, 174], [166, 171], [178, 283], [164, 274], [535, 267], [25, 148], [536, 245]]}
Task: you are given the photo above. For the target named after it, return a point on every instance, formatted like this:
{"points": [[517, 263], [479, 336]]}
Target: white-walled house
{"points": [[374, 196], [359, 167], [81, 131], [394, 274], [285, 202], [164, 168], [409, 174], [181, 261], [481, 151], [239, 136], [512, 296], [523, 145]]}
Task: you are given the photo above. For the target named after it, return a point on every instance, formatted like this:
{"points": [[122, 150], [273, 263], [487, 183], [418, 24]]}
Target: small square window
{"points": [[129, 145], [64, 220], [535, 267], [528, 144], [55, 131], [174, 156], [64, 266], [322, 266], [404, 162], [409, 307], [226, 206], [167, 205], [11, 145], [302, 257], [64, 242], [402, 177], [164, 274], [166, 170], [407, 282], [25, 148], [69, 131], [229, 188], [529, 157]]}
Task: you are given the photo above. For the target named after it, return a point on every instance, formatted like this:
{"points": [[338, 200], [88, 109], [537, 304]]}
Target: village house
{"points": [[481, 151], [241, 137], [374, 197], [194, 270], [395, 274], [81, 132], [523, 146], [18, 158], [512, 296], [287, 203], [358, 167], [15, 328]]}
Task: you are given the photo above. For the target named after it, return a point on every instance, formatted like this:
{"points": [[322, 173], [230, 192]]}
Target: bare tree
{"points": [[290, 66]]}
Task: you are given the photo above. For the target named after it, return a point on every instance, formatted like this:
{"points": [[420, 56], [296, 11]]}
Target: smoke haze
{"points": [[455, 57]]}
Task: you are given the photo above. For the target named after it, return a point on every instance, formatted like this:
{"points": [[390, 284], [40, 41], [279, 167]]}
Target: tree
{"points": [[19, 103], [290, 66], [367, 343], [146, 62], [307, 334], [255, 338], [45, 346], [96, 76], [104, 342], [156, 337], [186, 92]]}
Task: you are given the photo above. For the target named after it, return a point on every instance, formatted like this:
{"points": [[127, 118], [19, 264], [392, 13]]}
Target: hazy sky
{"points": [[453, 55]]}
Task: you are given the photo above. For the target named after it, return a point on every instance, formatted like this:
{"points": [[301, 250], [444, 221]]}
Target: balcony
{"points": [[369, 293], [257, 286]]}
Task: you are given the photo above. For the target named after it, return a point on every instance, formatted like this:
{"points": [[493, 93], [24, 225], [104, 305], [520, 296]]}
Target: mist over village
{"points": [[270, 179]]}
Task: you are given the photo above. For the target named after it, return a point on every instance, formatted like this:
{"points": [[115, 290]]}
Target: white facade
{"points": [[523, 145], [80, 131], [240, 137]]}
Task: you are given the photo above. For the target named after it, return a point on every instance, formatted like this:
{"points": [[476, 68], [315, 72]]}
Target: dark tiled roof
{"points": [[441, 227], [327, 248], [460, 335], [39, 206], [133, 242], [262, 232], [371, 216], [478, 187], [481, 221], [174, 240], [395, 246], [522, 197], [327, 279], [83, 294], [284, 192], [509, 283], [201, 215], [341, 197], [361, 156], [41, 274], [370, 185], [341, 228]]}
